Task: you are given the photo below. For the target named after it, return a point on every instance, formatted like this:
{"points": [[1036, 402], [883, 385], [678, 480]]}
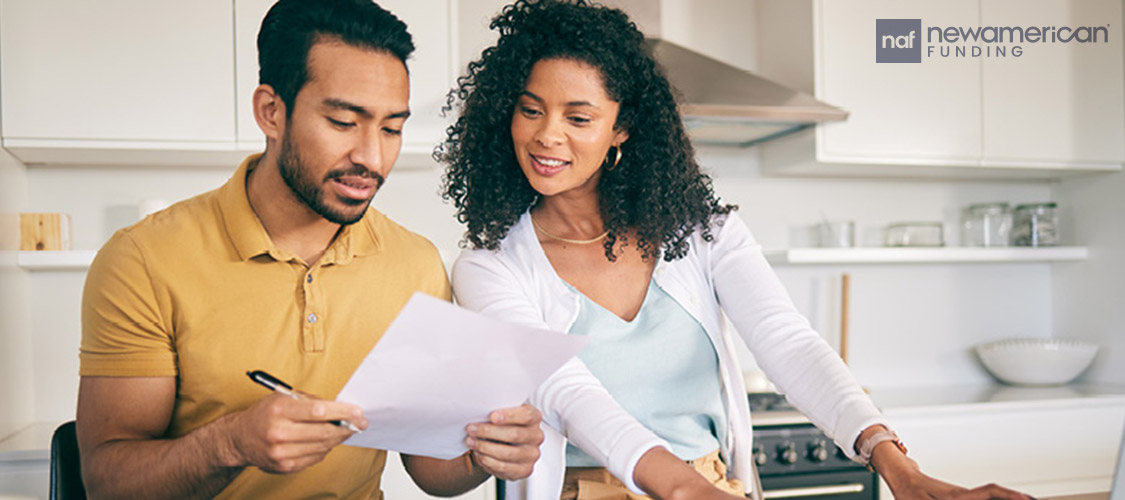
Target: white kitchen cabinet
{"points": [[1058, 102], [1046, 447], [924, 112], [130, 82], [76, 72], [430, 22], [1057, 109]]}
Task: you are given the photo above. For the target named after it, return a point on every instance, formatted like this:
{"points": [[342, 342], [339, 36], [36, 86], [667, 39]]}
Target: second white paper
{"points": [[439, 367]]}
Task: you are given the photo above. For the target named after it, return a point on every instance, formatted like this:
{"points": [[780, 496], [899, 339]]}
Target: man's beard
{"points": [[296, 176]]}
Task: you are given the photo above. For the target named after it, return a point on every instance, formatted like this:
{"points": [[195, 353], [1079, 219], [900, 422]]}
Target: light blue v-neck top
{"points": [[660, 367]]}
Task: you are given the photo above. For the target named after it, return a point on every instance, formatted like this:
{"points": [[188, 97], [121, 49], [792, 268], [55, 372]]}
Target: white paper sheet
{"points": [[439, 367]]}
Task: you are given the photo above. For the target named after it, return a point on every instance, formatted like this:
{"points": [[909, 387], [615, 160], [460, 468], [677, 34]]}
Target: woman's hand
{"points": [[925, 487], [907, 482]]}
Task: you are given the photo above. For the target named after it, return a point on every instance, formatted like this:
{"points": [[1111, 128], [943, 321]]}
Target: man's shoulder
{"points": [[395, 237], [180, 227]]}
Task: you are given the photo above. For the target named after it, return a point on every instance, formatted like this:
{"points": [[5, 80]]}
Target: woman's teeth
{"points": [[550, 162]]}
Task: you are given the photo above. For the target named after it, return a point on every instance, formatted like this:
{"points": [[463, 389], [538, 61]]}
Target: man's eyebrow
{"points": [[360, 110], [570, 103], [345, 105]]}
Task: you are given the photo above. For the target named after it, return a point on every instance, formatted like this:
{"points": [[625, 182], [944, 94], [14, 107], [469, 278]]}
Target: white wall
{"points": [[1088, 295], [910, 325], [15, 369]]}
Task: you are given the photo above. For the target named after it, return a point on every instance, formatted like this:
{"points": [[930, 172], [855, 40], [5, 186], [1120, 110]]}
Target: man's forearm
{"points": [[195, 466], [444, 477]]}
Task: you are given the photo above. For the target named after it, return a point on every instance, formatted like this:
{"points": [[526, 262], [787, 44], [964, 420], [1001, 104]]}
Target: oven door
{"points": [[848, 485]]}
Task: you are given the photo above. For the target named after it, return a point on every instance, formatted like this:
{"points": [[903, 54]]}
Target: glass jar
{"points": [[915, 234], [986, 225], [1035, 225]]}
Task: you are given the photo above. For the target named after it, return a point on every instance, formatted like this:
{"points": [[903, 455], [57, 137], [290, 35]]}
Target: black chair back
{"points": [[66, 466]]}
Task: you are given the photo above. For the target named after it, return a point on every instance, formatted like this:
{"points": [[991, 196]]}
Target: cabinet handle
{"points": [[814, 491]]}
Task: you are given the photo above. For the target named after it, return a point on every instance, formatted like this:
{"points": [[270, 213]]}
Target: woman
{"points": [[587, 213]]}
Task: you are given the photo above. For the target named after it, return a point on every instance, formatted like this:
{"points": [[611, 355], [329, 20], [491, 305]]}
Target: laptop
{"points": [[1117, 487]]}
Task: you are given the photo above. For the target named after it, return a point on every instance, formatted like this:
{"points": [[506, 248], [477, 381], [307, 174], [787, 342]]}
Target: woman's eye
{"points": [[341, 124], [529, 111], [580, 120]]}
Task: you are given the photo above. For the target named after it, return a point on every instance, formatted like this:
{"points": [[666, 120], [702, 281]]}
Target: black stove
{"points": [[796, 460]]}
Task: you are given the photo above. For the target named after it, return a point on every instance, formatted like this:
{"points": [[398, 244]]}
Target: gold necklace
{"points": [[566, 240]]}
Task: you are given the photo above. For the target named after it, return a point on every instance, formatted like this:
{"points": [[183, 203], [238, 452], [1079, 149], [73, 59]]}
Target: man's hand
{"points": [[281, 434], [507, 446]]}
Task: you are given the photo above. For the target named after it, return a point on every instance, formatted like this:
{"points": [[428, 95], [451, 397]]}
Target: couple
{"points": [[586, 212]]}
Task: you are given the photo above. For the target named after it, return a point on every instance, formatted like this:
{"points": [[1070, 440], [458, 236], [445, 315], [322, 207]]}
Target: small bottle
{"points": [[986, 225], [1036, 225]]}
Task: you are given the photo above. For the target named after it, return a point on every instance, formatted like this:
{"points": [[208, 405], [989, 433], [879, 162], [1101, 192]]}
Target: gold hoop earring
{"points": [[616, 160]]}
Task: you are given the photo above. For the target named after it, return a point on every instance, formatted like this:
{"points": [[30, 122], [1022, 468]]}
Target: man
{"points": [[286, 269]]}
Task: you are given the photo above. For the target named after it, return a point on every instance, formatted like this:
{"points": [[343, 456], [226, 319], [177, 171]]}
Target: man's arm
{"points": [[121, 421], [507, 446]]}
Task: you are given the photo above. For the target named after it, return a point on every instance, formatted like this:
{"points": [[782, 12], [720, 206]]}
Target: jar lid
{"points": [[989, 207], [1037, 206], [914, 224]]}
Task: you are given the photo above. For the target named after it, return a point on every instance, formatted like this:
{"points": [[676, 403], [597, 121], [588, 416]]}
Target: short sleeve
{"points": [[123, 333]]}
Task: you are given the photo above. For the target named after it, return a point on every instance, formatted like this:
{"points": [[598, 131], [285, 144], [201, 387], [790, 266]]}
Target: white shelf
{"points": [[943, 255], [184, 154], [69, 260]]}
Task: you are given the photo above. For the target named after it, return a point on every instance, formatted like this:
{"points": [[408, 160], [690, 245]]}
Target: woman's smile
{"points": [[546, 165]]}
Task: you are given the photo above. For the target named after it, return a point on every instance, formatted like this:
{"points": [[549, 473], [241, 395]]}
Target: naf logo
{"points": [[898, 40]]}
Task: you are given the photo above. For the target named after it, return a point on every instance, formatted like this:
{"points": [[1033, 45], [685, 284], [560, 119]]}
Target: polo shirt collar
{"points": [[250, 238]]}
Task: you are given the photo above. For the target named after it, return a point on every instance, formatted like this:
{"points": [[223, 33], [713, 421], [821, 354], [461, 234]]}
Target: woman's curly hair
{"points": [[657, 190]]}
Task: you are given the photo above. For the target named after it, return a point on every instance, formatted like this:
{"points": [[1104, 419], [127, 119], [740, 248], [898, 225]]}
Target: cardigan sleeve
{"points": [[795, 358], [571, 400]]}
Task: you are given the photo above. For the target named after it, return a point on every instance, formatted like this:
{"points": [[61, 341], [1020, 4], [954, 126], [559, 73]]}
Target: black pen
{"points": [[275, 384]]}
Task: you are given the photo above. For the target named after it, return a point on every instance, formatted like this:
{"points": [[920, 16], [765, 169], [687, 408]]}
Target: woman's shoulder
{"points": [[515, 253]]}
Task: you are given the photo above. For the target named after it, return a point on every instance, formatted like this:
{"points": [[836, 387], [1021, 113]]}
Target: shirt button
{"points": [[308, 279], [312, 318]]}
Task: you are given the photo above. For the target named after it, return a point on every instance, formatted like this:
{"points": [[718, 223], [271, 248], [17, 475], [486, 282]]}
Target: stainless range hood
{"points": [[726, 105], [722, 104]]}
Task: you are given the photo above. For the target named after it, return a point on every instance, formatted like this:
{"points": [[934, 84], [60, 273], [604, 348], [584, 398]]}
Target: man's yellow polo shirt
{"points": [[199, 292]]}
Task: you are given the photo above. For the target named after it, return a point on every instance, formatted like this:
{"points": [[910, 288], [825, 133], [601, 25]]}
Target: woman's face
{"points": [[562, 126]]}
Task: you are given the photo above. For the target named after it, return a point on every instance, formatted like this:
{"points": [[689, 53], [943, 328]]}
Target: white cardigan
{"points": [[726, 275]]}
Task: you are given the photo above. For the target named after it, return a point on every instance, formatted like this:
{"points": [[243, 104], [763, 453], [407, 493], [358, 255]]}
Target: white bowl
{"points": [[1037, 361]]}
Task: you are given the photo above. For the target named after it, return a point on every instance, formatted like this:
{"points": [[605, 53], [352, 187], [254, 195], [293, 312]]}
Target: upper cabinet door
{"points": [[428, 21], [1056, 102], [117, 70], [248, 15], [927, 112]]}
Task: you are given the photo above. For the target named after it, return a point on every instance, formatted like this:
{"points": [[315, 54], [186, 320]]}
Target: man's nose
{"points": [[368, 151]]}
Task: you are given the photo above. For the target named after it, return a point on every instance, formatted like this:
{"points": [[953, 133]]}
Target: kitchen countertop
{"points": [[954, 399], [898, 401], [34, 441]]}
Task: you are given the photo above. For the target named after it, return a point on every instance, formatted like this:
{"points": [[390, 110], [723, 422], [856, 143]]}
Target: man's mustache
{"points": [[356, 171]]}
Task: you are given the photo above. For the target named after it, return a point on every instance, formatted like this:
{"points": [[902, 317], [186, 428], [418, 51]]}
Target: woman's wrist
{"points": [[893, 465]]}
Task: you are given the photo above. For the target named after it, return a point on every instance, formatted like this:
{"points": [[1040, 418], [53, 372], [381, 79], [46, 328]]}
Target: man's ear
{"points": [[269, 112]]}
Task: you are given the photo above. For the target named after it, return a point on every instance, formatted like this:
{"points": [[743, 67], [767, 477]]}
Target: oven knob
{"points": [[760, 457], [818, 451], [787, 453]]}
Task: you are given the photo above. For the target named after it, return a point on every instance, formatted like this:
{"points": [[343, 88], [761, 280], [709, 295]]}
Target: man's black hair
{"points": [[292, 27]]}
